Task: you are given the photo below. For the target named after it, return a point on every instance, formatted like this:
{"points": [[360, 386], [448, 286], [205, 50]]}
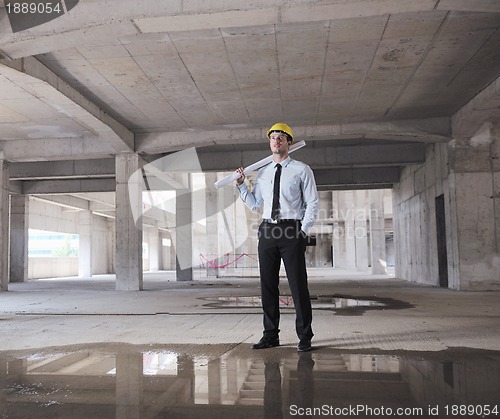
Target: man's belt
{"points": [[281, 221]]}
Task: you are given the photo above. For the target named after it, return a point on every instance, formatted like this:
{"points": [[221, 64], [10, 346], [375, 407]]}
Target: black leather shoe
{"points": [[304, 345], [265, 343]]}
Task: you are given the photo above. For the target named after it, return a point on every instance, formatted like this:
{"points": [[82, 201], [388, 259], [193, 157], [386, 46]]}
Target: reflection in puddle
{"points": [[277, 383], [322, 302]]}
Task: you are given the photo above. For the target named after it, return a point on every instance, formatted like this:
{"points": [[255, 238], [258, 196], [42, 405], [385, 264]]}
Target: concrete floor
{"points": [[76, 347]]}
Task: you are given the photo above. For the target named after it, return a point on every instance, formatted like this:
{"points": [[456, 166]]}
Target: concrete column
{"points": [[186, 372], [112, 246], [212, 230], [377, 232], [128, 231], [495, 167], [360, 230], [474, 195], [338, 235], [321, 254], [338, 255], [184, 236], [349, 230], [4, 225], [168, 252], [154, 249], [85, 244], [236, 225], [4, 383], [214, 382], [232, 378], [19, 225], [129, 386]]}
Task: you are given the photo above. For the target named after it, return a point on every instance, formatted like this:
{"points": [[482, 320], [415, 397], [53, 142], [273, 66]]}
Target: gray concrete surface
{"points": [[70, 312]]}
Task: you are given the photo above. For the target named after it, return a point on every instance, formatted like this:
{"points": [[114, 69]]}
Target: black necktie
{"points": [[276, 193]]}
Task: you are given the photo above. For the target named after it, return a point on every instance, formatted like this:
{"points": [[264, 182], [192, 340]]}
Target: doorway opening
{"points": [[441, 242]]}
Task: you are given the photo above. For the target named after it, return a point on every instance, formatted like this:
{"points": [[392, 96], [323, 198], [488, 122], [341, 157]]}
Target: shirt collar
{"points": [[284, 163]]}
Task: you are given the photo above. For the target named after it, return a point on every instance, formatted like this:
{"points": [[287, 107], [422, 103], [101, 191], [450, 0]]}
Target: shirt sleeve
{"points": [[311, 200], [252, 199]]}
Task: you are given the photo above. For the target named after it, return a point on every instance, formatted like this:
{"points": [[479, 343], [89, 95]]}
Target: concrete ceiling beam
{"points": [[318, 156], [63, 169], [261, 14], [16, 187], [356, 176], [54, 149], [43, 187], [419, 130], [103, 200], [94, 21], [486, 6], [66, 201], [59, 95]]}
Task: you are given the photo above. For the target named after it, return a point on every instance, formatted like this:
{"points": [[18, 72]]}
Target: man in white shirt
{"points": [[288, 191]]}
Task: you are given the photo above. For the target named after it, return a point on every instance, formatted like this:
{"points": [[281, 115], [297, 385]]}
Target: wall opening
{"points": [[43, 243], [52, 254], [441, 242]]}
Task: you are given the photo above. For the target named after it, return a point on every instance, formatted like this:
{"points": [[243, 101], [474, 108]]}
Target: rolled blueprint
{"points": [[255, 166]]}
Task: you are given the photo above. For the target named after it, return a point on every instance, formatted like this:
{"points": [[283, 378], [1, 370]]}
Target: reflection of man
{"points": [[272, 391], [300, 387], [306, 381], [287, 189]]}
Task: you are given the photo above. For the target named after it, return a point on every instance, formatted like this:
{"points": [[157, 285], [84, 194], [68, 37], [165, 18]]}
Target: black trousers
{"points": [[284, 241]]}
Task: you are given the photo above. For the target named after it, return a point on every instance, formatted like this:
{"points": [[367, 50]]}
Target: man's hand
{"points": [[241, 179]]}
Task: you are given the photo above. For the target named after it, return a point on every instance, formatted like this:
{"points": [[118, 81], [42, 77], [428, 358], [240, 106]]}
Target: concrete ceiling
{"points": [[367, 83]]}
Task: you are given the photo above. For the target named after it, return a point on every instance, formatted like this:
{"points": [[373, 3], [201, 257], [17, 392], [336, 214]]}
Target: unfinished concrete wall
{"points": [[4, 224], [465, 173], [52, 267], [102, 245], [414, 222]]}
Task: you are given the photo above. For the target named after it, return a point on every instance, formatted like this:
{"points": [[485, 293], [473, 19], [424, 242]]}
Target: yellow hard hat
{"points": [[280, 127]]}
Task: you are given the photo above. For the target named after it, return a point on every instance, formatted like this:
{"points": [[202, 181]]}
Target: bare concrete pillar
{"points": [[377, 232], [183, 236], [474, 211], [236, 224], [129, 385], [154, 249], [495, 165], [338, 243], [168, 250], [338, 254], [232, 378], [361, 230], [212, 224], [321, 254], [214, 381], [111, 243], [85, 244], [4, 383], [349, 230], [4, 225], [19, 226], [186, 372], [129, 275]]}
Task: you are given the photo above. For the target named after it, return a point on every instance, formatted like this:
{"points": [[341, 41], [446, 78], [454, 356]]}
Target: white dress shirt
{"points": [[298, 193]]}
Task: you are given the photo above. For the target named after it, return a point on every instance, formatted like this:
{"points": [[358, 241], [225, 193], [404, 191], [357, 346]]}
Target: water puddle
{"points": [[341, 304], [233, 381]]}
